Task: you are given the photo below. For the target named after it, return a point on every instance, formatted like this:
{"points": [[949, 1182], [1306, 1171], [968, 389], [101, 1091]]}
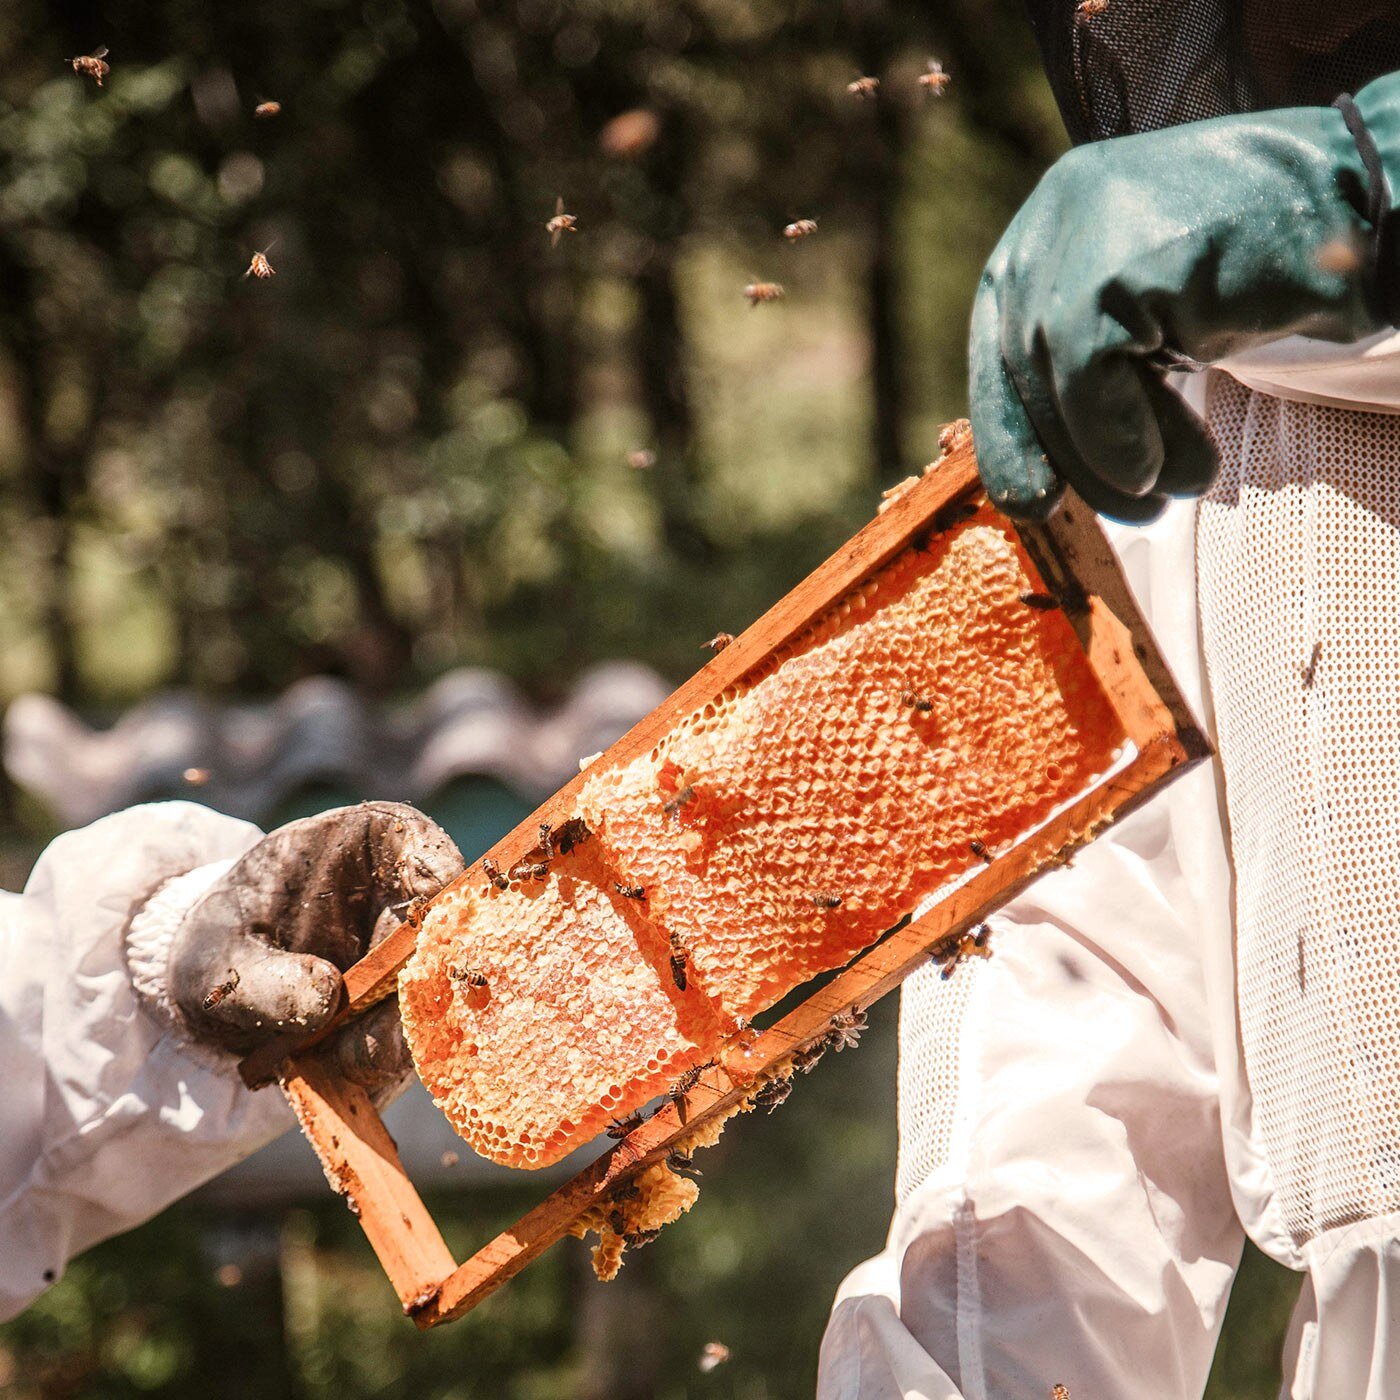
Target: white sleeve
{"points": [[105, 1117]]}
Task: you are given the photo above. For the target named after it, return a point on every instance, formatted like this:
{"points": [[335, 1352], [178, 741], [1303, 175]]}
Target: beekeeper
{"points": [[1184, 1038], [146, 954]]}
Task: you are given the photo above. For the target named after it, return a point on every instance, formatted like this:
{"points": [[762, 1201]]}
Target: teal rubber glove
{"points": [[1199, 241]]}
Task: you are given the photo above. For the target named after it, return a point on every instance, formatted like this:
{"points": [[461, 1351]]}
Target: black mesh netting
{"points": [[1137, 65]]}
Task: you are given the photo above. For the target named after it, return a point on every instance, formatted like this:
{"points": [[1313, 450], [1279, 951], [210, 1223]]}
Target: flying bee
{"points": [[915, 701], [264, 110], [826, 900], [620, 1127], [673, 807], [639, 1239], [641, 459], [719, 641], [845, 1030], [979, 849], [630, 891], [196, 777], [1061, 1392], [863, 87], [492, 871], [91, 65], [714, 1354], [259, 267], [572, 833], [764, 291], [773, 1093], [799, 229], [560, 223], [935, 80], [450, 1159], [1310, 669], [1041, 602], [1087, 10], [217, 994], [681, 1164]]}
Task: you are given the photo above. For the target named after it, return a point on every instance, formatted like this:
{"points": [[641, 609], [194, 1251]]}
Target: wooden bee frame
{"points": [[1078, 570]]}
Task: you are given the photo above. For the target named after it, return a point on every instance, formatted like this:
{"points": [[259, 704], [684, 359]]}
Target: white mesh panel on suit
{"points": [[931, 1054], [1299, 578]]}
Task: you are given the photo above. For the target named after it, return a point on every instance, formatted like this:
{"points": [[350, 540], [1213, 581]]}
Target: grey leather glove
{"points": [[260, 954]]}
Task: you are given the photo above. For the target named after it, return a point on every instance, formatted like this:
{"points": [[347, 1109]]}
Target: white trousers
{"points": [[1088, 1124]]}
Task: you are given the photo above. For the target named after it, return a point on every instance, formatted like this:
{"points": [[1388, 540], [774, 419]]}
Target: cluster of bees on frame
{"points": [[94, 65]]}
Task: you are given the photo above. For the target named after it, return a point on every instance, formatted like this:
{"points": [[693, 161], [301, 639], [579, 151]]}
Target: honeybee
{"points": [[799, 228], [467, 976], [678, 964], [617, 1221], [764, 291], [217, 994], [620, 1127], [1041, 602], [681, 1164], [808, 1059], [714, 1354], [935, 80], [492, 871], [957, 948], [773, 1093], [952, 514], [641, 459], [719, 641], [1310, 669], [525, 869], [827, 900], [863, 87], [560, 223], [629, 1192], [1061, 1392], [915, 701], [846, 1030], [266, 109], [259, 267], [1089, 9], [92, 66], [639, 1239], [979, 849], [673, 807], [547, 840], [687, 1081], [573, 832], [630, 891]]}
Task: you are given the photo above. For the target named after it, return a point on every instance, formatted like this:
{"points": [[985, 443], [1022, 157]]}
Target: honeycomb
{"points": [[920, 726]]}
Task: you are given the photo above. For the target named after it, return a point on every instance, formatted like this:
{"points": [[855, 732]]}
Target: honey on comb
{"points": [[813, 774]]}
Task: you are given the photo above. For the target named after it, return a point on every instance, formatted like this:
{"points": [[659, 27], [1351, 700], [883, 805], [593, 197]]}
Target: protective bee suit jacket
{"points": [[1090, 1119], [106, 1116], [1177, 1041]]}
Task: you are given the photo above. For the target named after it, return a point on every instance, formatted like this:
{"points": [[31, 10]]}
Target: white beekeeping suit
{"points": [[1187, 1036], [120, 1084]]}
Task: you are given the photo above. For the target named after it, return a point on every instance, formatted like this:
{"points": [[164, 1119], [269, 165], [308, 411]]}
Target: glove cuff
{"points": [[150, 934]]}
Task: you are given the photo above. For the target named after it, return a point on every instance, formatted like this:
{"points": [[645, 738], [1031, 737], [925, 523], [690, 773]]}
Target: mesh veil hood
{"points": [[1144, 64]]}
